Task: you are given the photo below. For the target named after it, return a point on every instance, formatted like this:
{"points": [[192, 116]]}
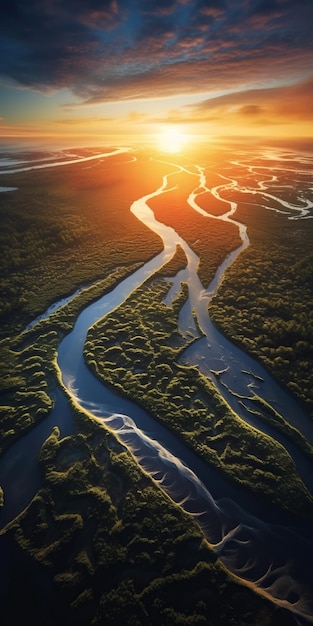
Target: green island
{"points": [[100, 542]]}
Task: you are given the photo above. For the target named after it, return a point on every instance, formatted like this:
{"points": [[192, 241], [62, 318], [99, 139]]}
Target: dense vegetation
{"points": [[265, 300], [65, 227], [101, 544], [137, 351], [27, 364]]}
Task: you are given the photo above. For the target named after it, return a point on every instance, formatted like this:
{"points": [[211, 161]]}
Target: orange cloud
{"points": [[280, 105]]}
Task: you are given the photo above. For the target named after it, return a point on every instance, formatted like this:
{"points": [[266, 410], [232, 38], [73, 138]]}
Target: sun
{"points": [[172, 140]]}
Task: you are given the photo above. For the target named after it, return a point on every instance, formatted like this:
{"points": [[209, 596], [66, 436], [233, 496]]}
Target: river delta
{"points": [[152, 446]]}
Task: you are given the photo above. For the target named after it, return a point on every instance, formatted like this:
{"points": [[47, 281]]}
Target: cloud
{"points": [[124, 49], [282, 105], [252, 110], [82, 121]]}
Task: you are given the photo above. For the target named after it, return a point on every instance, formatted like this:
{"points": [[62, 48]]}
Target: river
{"points": [[271, 549]]}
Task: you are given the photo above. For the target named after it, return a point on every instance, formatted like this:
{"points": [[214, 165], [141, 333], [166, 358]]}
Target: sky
{"points": [[98, 70]]}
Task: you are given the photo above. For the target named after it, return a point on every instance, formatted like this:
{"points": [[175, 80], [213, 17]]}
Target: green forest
{"points": [[265, 301], [137, 350]]}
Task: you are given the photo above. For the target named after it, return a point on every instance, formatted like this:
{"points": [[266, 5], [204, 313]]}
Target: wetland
{"points": [[167, 461]]}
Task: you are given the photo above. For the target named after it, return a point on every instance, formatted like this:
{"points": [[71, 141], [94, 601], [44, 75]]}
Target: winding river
{"points": [[268, 548]]}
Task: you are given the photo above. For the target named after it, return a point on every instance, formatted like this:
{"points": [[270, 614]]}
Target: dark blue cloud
{"points": [[132, 48]]}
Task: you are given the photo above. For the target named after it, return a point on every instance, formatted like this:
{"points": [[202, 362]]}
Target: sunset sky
{"points": [[128, 69]]}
